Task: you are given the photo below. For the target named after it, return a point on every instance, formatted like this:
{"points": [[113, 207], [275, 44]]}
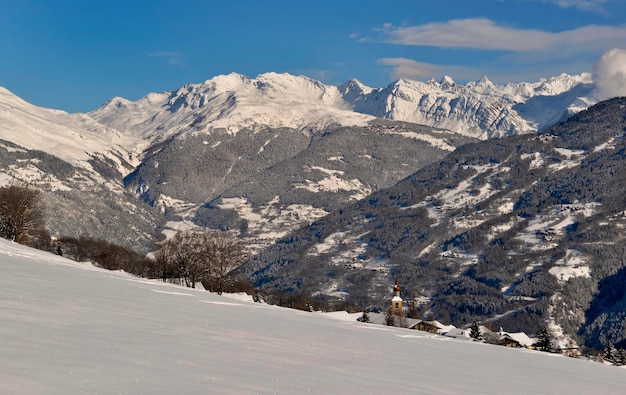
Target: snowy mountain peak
{"points": [[10, 100], [234, 102], [224, 83], [352, 90], [446, 81], [353, 85], [484, 82], [478, 109], [75, 138], [562, 83], [117, 102]]}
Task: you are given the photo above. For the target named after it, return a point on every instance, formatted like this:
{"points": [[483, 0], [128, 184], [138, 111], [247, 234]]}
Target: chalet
{"points": [[507, 341], [434, 326], [427, 326], [457, 333]]}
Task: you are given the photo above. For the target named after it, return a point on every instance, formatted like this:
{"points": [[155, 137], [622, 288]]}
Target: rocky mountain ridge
{"points": [[232, 102], [478, 109]]}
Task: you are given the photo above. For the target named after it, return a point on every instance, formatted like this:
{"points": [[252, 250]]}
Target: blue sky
{"points": [[75, 55]]}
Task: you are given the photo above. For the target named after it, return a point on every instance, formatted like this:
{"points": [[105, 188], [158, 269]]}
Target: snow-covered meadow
{"points": [[70, 328]]}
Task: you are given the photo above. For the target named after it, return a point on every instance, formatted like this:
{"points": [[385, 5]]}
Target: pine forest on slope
{"points": [[520, 230]]}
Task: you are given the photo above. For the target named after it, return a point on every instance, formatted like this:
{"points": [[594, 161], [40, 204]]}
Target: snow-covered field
{"points": [[69, 328]]}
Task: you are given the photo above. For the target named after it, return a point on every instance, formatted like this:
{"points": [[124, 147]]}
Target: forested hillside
{"points": [[522, 231]]}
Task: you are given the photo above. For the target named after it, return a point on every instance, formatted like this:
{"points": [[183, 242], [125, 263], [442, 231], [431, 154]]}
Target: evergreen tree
{"points": [[390, 318], [620, 359], [610, 353], [544, 340], [475, 332]]}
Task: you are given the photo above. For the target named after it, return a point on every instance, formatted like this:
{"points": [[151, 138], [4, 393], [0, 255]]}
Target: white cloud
{"points": [[480, 33], [414, 70], [173, 58], [586, 5], [609, 74], [515, 68], [408, 68]]}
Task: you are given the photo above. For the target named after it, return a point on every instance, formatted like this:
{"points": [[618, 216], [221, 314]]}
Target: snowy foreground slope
{"points": [[68, 328]]}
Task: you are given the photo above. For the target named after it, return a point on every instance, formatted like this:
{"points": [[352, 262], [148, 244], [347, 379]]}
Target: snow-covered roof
{"points": [[521, 338]]}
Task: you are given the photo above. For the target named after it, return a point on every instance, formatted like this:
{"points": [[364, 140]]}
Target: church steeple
{"points": [[396, 301]]}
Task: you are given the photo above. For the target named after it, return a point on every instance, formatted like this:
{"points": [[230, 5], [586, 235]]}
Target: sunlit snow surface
{"points": [[68, 328]]}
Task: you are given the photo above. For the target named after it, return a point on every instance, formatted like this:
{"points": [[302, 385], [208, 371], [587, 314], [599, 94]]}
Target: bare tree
{"points": [[21, 213], [190, 257], [225, 253], [200, 256], [162, 266]]}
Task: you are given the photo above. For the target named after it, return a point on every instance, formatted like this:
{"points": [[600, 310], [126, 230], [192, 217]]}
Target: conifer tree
{"points": [[544, 340], [620, 359], [610, 353], [475, 332], [390, 318]]}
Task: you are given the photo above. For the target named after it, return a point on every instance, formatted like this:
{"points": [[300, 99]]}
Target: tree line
{"points": [[192, 257], [189, 258]]}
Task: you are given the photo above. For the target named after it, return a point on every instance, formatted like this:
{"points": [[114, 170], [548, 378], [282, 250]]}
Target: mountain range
{"points": [[337, 189]]}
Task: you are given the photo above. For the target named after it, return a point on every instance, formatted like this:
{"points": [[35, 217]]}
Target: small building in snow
{"points": [[431, 326], [458, 333]]}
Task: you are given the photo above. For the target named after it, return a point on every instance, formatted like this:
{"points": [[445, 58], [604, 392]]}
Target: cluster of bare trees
{"points": [[195, 256], [103, 254], [21, 213], [199, 256]]}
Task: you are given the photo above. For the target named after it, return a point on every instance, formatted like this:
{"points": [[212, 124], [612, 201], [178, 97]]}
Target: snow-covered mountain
{"points": [[274, 145], [232, 102], [233, 139], [74, 138], [479, 109], [243, 127], [206, 146], [69, 328], [79, 165]]}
